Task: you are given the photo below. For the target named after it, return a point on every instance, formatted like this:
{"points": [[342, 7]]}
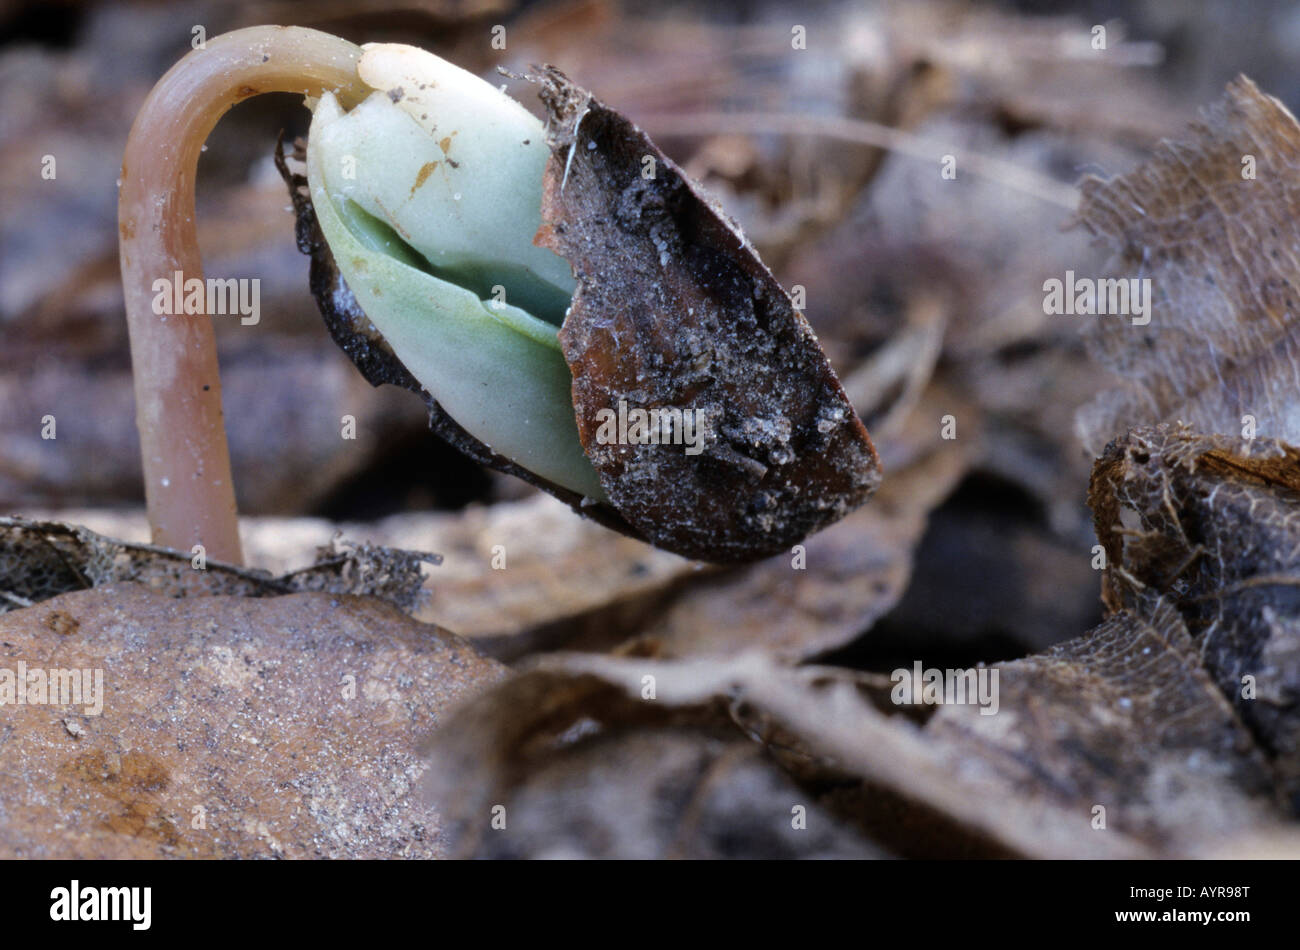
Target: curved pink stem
{"points": [[188, 484]]}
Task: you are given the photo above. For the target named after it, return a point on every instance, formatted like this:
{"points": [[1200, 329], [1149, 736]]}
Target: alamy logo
{"points": [[215, 297], [1128, 296], [933, 687], [668, 426], [103, 903], [53, 687]]}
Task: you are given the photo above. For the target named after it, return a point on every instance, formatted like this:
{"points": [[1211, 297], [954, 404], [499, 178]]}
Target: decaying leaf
{"points": [[1211, 222], [42, 559], [229, 727], [509, 574], [583, 771], [667, 794], [1125, 718], [954, 783], [1169, 730], [1217, 536], [521, 576]]}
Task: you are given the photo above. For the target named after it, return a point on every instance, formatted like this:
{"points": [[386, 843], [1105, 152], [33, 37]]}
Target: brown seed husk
{"points": [[674, 310]]}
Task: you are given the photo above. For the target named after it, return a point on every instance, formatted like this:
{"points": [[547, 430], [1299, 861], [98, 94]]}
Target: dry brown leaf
{"points": [[1134, 740], [1218, 247], [489, 751], [1214, 529], [582, 770], [1121, 719], [513, 576], [231, 727], [649, 794], [1125, 718], [42, 559]]}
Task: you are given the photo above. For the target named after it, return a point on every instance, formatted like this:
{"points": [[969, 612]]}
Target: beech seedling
{"points": [[571, 309]]}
